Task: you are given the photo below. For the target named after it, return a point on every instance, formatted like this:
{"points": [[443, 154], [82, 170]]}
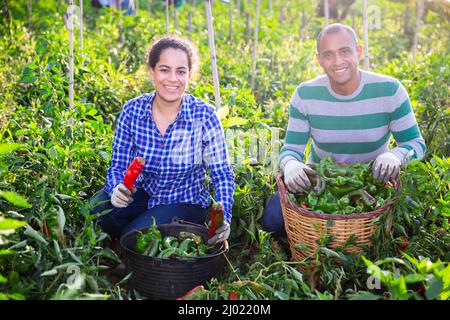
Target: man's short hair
{"points": [[335, 28]]}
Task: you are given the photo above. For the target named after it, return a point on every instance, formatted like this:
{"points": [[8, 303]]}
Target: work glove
{"points": [[121, 196], [386, 167], [222, 234], [296, 176]]}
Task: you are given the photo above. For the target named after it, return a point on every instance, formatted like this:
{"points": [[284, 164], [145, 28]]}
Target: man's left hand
{"points": [[386, 167], [222, 234]]}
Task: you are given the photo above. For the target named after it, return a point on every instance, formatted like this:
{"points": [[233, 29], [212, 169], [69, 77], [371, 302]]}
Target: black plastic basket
{"points": [[157, 278]]}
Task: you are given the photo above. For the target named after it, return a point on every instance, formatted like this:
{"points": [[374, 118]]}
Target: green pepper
{"points": [[334, 172], [168, 252], [142, 243], [151, 251], [312, 200], [169, 242], [183, 235], [184, 246], [343, 202]]}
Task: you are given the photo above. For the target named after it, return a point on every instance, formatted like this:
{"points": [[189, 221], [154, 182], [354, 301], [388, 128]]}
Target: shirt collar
{"points": [[184, 111]]}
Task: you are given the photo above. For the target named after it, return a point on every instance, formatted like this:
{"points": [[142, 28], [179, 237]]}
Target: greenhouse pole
{"points": [[247, 26], [213, 53], [255, 46], [189, 23], [70, 26], [416, 35], [327, 12], [366, 37], [81, 25], [167, 16], [175, 18], [119, 8]]}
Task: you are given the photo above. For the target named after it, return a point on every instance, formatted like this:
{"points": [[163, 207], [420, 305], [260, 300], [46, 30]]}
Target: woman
{"points": [[180, 137]]}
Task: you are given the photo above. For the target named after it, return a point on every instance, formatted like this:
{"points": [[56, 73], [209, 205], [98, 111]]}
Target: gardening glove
{"points": [[296, 176], [121, 196], [222, 234], [386, 167]]}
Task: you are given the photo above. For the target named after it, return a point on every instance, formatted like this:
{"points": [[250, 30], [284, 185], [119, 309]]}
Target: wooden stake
{"points": [[213, 53], [366, 37], [416, 35], [255, 46], [327, 12]]}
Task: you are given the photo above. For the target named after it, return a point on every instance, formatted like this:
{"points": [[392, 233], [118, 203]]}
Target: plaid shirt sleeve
{"points": [[122, 154], [215, 157]]}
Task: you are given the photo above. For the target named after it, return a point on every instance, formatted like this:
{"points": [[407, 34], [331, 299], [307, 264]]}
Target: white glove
{"points": [[295, 176], [121, 196], [386, 167], [222, 234]]}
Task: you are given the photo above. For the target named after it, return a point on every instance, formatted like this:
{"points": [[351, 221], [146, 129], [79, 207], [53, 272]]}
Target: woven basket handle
{"points": [[282, 189]]}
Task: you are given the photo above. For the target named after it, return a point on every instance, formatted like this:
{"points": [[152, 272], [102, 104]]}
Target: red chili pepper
{"points": [[404, 244], [46, 230], [191, 292], [421, 290], [216, 217], [304, 206], [133, 172], [233, 295]]}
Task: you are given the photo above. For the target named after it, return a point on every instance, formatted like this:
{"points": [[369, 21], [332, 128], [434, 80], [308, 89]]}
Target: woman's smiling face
{"points": [[171, 75]]}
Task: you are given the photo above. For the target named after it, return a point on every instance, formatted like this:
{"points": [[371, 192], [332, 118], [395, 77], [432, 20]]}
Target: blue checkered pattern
{"points": [[176, 163]]}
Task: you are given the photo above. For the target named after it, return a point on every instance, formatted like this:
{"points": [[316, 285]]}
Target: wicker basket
{"points": [[305, 227]]}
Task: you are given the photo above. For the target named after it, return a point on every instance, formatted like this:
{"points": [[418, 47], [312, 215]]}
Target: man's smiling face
{"points": [[339, 54]]}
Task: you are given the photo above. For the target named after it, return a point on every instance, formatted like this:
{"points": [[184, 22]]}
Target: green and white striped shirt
{"points": [[354, 128]]}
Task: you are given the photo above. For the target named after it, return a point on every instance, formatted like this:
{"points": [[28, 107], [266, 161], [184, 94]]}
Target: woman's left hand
{"points": [[222, 234]]}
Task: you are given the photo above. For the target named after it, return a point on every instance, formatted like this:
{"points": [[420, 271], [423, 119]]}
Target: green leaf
{"points": [[51, 272], [5, 252], [330, 253], [234, 121], [3, 279], [223, 112], [15, 199], [8, 147], [7, 224], [29, 231], [434, 289], [63, 196], [61, 218], [365, 296]]}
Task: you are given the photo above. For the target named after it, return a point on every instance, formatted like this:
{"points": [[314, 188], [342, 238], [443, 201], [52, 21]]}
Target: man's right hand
{"points": [[121, 196], [296, 176]]}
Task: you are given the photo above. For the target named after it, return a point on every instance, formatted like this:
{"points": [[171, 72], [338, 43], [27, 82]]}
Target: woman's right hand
{"points": [[121, 196]]}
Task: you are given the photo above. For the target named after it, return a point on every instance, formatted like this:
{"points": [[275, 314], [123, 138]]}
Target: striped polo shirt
{"points": [[353, 128]]}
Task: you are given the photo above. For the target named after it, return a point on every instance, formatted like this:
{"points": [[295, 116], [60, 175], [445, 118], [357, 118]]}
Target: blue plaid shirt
{"points": [[176, 163]]}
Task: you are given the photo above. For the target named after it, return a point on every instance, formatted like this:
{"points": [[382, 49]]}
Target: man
{"points": [[349, 114]]}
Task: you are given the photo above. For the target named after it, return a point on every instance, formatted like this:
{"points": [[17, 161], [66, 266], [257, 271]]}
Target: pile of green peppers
{"points": [[186, 244], [344, 189]]}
